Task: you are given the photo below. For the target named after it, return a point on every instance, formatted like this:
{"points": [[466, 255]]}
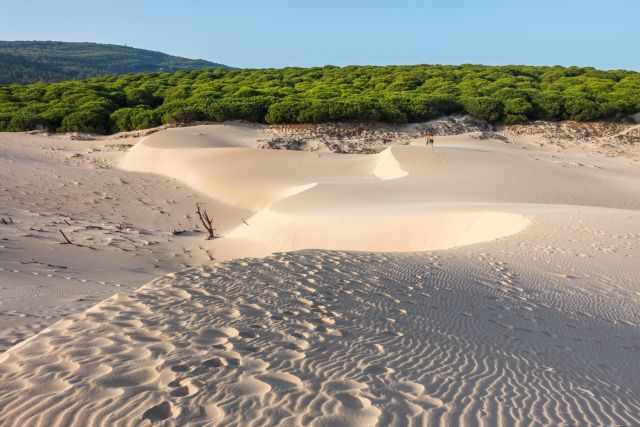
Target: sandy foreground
{"points": [[477, 283]]}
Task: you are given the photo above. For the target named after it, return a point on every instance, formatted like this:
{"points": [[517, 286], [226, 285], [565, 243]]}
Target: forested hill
{"points": [[49, 61], [395, 94]]}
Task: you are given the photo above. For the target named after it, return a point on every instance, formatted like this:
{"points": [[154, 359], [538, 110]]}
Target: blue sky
{"points": [[276, 33]]}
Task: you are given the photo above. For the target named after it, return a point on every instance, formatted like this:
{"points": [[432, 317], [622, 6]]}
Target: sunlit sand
{"points": [[478, 282]]}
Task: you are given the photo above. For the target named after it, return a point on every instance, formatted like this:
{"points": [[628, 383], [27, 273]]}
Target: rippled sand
{"points": [[479, 283]]}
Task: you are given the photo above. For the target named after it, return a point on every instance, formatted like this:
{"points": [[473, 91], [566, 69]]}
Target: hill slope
{"points": [[31, 61]]}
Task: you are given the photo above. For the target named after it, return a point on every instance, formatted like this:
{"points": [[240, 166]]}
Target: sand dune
{"points": [[242, 176], [387, 166], [531, 316], [398, 229]]}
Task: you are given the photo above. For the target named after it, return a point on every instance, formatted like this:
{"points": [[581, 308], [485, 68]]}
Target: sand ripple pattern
{"points": [[319, 338]]}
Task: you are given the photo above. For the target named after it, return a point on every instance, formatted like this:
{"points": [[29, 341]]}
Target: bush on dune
{"points": [[484, 107], [26, 119], [394, 94], [91, 117], [179, 113], [142, 117]]}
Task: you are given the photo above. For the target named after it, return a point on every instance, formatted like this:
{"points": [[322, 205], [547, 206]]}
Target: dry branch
{"points": [[207, 222], [66, 239]]}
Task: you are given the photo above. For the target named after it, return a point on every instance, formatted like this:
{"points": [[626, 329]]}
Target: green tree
{"points": [[126, 119], [581, 108], [91, 118], [26, 119], [484, 108]]}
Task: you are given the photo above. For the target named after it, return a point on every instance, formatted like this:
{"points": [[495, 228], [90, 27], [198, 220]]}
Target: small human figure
{"points": [[429, 139]]}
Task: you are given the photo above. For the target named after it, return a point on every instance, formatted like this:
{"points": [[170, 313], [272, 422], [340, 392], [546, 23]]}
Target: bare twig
{"points": [[207, 222], [66, 239]]}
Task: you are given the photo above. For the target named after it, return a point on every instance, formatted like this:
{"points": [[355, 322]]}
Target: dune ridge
{"points": [[387, 166], [403, 229]]}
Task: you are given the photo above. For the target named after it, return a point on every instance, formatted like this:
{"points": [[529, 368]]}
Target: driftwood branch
{"points": [[207, 222], [66, 239]]}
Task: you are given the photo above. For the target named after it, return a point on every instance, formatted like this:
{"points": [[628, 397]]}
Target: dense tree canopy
{"points": [[397, 94], [32, 61]]}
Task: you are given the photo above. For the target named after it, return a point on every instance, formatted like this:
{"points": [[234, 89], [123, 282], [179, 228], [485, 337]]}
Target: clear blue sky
{"points": [[275, 33]]}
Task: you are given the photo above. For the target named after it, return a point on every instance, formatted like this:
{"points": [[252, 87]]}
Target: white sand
{"points": [[524, 310], [122, 220]]}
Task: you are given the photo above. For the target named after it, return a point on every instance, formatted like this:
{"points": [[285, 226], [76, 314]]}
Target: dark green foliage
{"points": [[32, 61], [285, 111], [92, 117], [582, 108], [141, 117], [484, 107], [142, 96], [396, 94], [252, 109], [548, 105], [26, 118], [179, 113]]}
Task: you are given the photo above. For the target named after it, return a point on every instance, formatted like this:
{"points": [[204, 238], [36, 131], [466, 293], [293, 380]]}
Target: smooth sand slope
{"points": [[122, 224], [479, 283]]}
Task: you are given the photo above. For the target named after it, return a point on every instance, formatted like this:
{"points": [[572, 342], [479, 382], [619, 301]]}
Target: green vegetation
{"points": [[397, 94], [32, 61]]}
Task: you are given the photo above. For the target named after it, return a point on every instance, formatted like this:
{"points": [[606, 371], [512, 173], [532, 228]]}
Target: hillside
{"points": [[32, 61], [391, 94]]}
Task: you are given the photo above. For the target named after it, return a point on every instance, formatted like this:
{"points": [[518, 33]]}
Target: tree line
{"points": [[394, 94]]}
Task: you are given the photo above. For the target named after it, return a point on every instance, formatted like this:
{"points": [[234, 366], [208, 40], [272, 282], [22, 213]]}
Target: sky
{"points": [[277, 33]]}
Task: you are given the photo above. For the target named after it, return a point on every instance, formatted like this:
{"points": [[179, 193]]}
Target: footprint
{"points": [[377, 370], [252, 365], [180, 368], [337, 386], [248, 334], [213, 412], [287, 354], [216, 336], [292, 343], [253, 310], [230, 313], [249, 386], [352, 410], [183, 388], [223, 359], [409, 387], [281, 381], [159, 412], [416, 393], [215, 362]]}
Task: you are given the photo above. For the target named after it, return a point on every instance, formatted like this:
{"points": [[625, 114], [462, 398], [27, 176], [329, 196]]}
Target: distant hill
{"points": [[49, 61]]}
